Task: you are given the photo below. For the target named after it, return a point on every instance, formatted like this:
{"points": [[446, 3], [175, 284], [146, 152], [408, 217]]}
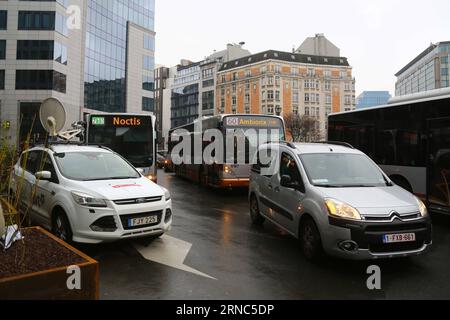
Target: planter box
{"points": [[49, 283]]}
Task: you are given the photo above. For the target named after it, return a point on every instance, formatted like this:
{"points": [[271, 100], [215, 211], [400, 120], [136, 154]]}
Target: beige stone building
{"points": [[274, 82]]}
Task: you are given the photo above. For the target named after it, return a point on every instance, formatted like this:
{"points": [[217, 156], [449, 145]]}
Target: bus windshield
{"points": [[131, 137]]}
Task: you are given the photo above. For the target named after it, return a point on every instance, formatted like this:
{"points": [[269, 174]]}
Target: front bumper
{"points": [[114, 222], [368, 237]]}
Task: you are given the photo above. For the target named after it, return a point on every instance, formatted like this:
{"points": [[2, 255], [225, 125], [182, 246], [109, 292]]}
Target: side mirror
{"points": [[286, 181], [43, 175]]}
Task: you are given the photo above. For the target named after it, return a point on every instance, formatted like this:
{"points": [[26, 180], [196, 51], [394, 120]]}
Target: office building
{"points": [[105, 63], [428, 71], [318, 45], [194, 83], [369, 99], [278, 83]]}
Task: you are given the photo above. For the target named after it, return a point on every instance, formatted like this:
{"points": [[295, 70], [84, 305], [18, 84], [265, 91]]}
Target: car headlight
{"points": [[422, 208], [88, 201], [167, 194], [342, 210]]}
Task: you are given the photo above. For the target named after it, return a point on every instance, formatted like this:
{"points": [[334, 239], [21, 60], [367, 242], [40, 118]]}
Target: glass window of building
{"points": [[149, 42], [2, 49], [3, 19], [40, 80], [148, 104], [106, 47], [2, 79], [148, 83]]}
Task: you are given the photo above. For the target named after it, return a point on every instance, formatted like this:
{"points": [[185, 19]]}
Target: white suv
{"points": [[89, 194]]}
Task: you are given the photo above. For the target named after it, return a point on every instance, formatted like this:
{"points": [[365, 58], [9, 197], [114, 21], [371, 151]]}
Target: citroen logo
{"points": [[395, 214]]}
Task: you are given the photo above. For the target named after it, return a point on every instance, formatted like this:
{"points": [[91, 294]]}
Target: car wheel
{"points": [[310, 240], [255, 215], [61, 227]]}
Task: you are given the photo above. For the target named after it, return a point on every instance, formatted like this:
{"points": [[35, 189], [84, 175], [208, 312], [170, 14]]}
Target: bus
{"points": [[409, 138], [220, 174], [131, 136]]}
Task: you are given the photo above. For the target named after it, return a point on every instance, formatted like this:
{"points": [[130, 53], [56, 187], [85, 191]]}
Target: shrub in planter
{"points": [[42, 267]]}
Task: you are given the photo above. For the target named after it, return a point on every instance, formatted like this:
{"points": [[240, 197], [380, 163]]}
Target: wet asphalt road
{"points": [[257, 263]]}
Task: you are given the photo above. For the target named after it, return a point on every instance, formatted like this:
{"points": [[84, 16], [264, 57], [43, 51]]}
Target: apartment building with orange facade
{"points": [[279, 83]]}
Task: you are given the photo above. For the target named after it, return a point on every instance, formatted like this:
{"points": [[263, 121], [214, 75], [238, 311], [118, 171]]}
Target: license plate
{"points": [[399, 238], [136, 222]]}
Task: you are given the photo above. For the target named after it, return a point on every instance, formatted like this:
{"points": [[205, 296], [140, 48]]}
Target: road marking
{"points": [[171, 252]]}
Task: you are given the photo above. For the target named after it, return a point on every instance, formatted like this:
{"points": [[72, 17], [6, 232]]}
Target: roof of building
{"points": [[419, 57], [285, 56]]}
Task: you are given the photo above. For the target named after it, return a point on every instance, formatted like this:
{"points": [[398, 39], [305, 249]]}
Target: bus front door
{"points": [[438, 195]]}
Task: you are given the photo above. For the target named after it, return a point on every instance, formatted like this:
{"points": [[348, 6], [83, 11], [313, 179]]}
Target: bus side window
{"points": [[386, 148]]}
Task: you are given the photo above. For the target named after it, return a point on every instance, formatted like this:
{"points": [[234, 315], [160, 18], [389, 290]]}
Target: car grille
{"points": [[387, 228], [127, 202], [396, 247], [124, 219], [404, 217]]}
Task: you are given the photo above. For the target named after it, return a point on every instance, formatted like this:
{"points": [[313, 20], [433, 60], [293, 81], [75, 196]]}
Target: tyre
{"points": [[61, 227], [255, 215], [311, 242]]}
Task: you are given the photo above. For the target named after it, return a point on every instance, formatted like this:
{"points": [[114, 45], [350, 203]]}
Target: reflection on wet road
{"points": [[212, 235]]}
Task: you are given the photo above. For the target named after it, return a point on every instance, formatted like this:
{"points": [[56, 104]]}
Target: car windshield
{"points": [[342, 171], [94, 166]]}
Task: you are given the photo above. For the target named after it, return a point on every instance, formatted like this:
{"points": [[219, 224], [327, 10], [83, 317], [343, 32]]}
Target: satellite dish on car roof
{"points": [[53, 116]]}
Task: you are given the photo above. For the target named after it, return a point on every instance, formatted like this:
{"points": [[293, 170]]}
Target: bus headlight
{"points": [[422, 208], [342, 210], [151, 177], [86, 200], [227, 169]]}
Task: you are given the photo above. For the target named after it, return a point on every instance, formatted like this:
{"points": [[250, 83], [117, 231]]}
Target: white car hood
{"points": [[378, 200], [120, 189]]}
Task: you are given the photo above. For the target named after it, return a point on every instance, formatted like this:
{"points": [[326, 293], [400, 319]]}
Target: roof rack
{"points": [[337, 143], [289, 144]]}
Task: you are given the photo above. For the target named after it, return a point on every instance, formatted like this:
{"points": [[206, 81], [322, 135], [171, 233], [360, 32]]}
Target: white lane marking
{"points": [[171, 252]]}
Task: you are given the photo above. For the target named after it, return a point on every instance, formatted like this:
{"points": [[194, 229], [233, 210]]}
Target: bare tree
{"points": [[302, 128]]}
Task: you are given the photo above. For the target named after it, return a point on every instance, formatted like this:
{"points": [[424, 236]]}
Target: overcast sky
{"points": [[378, 36]]}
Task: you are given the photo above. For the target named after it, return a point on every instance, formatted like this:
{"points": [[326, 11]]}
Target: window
{"points": [[277, 81], [327, 73], [247, 98], [149, 43], [148, 83], [295, 109], [235, 76], [270, 95], [277, 68], [328, 99], [41, 50], [2, 49], [295, 84], [234, 101], [208, 83], [311, 72], [248, 73], [327, 86], [2, 79], [149, 63], [277, 95], [247, 85], [3, 19], [208, 100], [288, 167], [294, 71], [263, 70], [307, 99], [295, 97], [148, 104], [40, 80]]}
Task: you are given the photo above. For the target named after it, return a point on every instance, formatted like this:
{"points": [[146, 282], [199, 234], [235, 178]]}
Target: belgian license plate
{"points": [[136, 222], [399, 238]]}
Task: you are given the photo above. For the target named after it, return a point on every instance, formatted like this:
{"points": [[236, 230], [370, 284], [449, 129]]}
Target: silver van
{"points": [[337, 201]]}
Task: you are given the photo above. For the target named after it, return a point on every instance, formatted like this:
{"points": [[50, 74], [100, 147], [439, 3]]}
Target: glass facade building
{"points": [[369, 99], [428, 71], [106, 50]]}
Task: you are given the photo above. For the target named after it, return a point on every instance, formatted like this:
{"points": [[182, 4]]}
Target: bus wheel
{"points": [[402, 182]]}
